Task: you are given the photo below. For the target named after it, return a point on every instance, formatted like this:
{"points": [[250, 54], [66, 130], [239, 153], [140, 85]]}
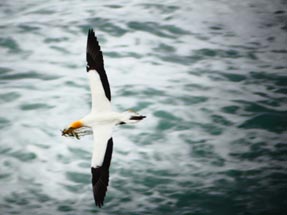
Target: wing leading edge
{"points": [[95, 61]]}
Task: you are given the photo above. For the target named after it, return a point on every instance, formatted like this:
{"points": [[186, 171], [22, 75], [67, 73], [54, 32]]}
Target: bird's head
{"points": [[71, 130]]}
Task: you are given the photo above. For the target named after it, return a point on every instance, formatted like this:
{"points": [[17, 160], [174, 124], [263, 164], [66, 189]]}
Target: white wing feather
{"points": [[100, 103], [102, 134]]}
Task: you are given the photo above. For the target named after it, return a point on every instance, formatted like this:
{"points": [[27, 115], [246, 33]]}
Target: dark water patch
{"points": [[165, 115], [279, 12], [123, 55], [35, 106], [263, 77], [4, 123], [147, 92], [189, 87], [256, 152], [4, 71], [42, 11], [280, 51], [27, 75], [16, 199], [23, 156], [216, 27], [168, 121], [28, 27], [105, 25], [141, 105], [234, 77], [280, 67], [10, 44], [260, 107], [79, 153], [161, 8], [178, 59], [164, 48], [192, 100], [84, 165], [207, 53], [76, 188], [114, 6], [212, 129], [274, 122], [203, 150], [231, 109], [8, 97], [243, 142], [153, 180], [55, 39], [257, 188], [165, 125], [72, 65], [4, 176], [65, 208], [78, 177], [274, 102], [218, 119], [167, 31], [60, 49], [280, 150], [63, 159], [146, 139], [75, 84], [39, 195]]}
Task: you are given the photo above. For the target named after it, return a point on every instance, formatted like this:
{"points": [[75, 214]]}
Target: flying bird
{"points": [[101, 119]]}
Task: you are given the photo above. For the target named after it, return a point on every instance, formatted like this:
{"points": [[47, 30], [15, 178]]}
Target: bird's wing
{"points": [[99, 84], [102, 155]]}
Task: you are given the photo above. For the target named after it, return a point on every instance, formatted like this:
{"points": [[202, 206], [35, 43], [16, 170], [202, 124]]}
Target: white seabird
{"points": [[101, 119]]}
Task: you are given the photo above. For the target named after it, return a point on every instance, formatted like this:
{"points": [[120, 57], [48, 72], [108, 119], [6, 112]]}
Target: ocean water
{"points": [[211, 76]]}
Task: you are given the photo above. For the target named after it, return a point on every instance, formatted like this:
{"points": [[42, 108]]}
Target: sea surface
{"points": [[211, 77]]}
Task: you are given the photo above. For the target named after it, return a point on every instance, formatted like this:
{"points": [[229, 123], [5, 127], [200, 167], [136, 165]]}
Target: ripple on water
{"points": [[4, 122], [9, 97], [214, 141], [35, 106], [78, 177], [274, 122], [167, 31], [28, 75], [10, 44], [104, 25], [23, 155]]}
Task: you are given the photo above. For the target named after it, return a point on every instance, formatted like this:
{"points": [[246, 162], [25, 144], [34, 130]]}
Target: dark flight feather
{"points": [[95, 61], [100, 176]]}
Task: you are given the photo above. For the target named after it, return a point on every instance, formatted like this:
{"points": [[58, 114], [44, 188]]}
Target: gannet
{"points": [[101, 119]]}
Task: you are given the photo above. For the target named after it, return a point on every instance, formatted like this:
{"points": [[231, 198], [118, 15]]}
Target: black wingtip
{"points": [[100, 181], [94, 54], [100, 176], [137, 117]]}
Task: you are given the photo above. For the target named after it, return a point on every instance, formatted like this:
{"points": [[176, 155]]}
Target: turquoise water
{"points": [[210, 76]]}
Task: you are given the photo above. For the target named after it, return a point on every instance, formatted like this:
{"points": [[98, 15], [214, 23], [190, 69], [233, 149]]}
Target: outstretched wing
{"points": [[102, 155], [99, 84]]}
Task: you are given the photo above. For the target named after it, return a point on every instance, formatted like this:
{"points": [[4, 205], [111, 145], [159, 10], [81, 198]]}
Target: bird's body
{"points": [[101, 119]]}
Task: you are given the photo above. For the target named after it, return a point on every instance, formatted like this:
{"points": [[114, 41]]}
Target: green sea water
{"points": [[210, 76]]}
